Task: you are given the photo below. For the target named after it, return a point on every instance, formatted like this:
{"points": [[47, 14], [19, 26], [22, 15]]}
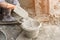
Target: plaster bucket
{"points": [[2, 36], [31, 28]]}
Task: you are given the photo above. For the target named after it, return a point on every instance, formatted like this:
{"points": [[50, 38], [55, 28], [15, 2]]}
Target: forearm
{"points": [[3, 4]]}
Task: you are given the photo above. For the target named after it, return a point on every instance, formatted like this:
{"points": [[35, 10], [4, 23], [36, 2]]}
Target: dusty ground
{"points": [[47, 32]]}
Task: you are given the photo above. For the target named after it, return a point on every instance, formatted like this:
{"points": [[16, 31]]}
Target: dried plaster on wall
{"points": [[55, 7]]}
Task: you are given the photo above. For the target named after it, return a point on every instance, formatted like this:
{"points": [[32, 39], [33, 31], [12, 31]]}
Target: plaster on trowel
{"points": [[21, 12]]}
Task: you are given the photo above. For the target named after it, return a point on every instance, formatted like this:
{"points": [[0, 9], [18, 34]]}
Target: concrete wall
{"points": [[42, 10], [41, 7], [35, 7]]}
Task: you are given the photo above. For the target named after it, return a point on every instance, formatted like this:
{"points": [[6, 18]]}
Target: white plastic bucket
{"points": [[31, 28]]}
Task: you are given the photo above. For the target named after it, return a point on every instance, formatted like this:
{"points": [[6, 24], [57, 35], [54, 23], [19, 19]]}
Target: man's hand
{"points": [[7, 5], [10, 6]]}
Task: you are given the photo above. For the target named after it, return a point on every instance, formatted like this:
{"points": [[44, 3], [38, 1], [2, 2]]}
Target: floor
{"points": [[47, 32]]}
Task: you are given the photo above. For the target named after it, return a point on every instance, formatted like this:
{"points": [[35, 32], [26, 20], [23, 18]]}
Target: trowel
{"points": [[24, 14], [21, 12]]}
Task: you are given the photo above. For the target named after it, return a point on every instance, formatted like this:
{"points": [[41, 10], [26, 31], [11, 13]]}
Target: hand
{"points": [[7, 5], [10, 6]]}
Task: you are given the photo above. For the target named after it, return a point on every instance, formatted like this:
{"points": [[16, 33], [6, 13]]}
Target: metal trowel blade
{"points": [[21, 12]]}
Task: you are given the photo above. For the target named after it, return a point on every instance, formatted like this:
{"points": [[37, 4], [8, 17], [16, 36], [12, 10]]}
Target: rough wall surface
{"points": [[42, 10], [41, 7], [54, 7]]}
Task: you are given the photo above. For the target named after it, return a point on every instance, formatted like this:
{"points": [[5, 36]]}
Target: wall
{"points": [[54, 7], [42, 10], [42, 7]]}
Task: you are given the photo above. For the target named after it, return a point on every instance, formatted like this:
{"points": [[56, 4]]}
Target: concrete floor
{"points": [[9, 32], [47, 32]]}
